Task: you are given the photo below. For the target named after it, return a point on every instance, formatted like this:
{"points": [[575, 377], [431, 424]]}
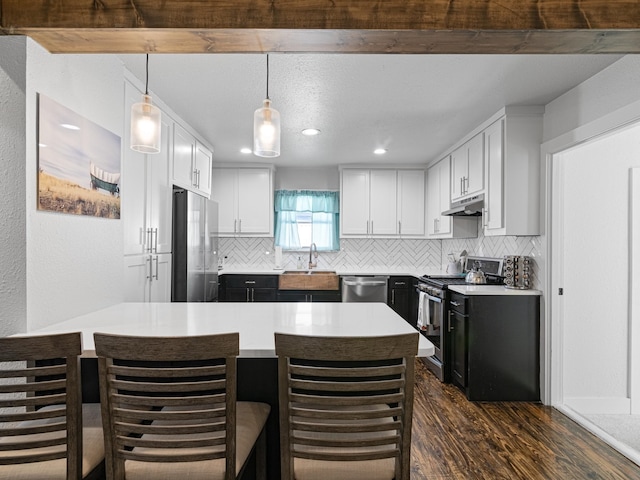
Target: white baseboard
{"points": [[623, 448], [599, 405]]}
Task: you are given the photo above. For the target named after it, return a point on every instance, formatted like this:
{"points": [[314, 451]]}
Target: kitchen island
{"points": [[256, 324]]}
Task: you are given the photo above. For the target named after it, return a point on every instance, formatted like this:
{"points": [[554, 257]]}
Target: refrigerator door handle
{"points": [[150, 275], [157, 269]]}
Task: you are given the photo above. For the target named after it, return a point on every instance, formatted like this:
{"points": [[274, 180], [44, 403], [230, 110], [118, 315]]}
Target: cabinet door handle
{"points": [[148, 240], [235, 224], [485, 217], [155, 240], [371, 227], [157, 263], [400, 284], [248, 294], [461, 185], [249, 282], [455, 304], [150, 270], [393, 297], [399, 227], [367, 227], [253, 294], [450, 322]]}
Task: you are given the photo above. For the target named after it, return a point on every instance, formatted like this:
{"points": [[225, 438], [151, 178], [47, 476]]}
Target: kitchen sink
{"points": [[308, 272], [309, 280]]}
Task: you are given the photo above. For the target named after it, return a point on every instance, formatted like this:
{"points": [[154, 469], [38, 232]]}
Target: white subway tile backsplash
{"points": [[381, 254]]}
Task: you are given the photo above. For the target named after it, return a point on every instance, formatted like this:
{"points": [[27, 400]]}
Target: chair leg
{"points": [[261, 455]]}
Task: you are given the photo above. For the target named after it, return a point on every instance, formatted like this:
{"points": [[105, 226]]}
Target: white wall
{"points": [[74, 263], [307, 179], [13, 251], [607, 91]]}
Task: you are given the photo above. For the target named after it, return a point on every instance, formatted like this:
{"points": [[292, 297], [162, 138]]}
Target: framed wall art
{"points": [[78, 163]]}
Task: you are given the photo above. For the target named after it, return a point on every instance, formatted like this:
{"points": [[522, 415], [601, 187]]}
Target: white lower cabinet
{"points": [[147, 278], [438, 200], [245, 201], [512, 170]]}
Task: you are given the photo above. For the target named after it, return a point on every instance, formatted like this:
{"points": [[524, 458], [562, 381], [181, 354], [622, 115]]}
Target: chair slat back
{"points": [[40, 400], [346, 399], [168, 399]]}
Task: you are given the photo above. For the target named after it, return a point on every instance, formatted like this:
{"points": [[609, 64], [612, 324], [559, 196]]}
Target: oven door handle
{"points": [[434, 299]]}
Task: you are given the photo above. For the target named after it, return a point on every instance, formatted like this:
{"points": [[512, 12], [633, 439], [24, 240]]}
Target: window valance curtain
{"points": [[324, 207]]}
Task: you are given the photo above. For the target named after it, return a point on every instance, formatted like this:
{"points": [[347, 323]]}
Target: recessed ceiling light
{"points": [[68, 126], [310, 132], [380, 151], [245, 150]]}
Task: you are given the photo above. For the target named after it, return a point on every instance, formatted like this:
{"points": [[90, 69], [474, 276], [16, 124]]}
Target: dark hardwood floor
{"points": [[457, 439]]}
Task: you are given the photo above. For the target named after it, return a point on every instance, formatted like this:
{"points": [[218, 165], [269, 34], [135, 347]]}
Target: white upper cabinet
{"points": [[245, 201], [467, 168], [382, 203], [383, 190], [512, 152], [411, 202], [146, 190], [438, 200], [192, 162]]}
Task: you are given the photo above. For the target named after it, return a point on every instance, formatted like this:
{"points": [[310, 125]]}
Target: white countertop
{"points": [[490, 290], [248, 270], [255, 322]]}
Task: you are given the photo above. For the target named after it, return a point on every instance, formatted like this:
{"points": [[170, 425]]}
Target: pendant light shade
{"points": [[145, 123], [266, 127]]}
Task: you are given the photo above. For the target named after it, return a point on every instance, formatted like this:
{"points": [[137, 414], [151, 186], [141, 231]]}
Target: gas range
{"points": [[492, 268]]}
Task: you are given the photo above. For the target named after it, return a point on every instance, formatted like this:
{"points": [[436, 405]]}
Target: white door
{"points": [[475, 174], [354, 202], [382, 202], [160, 193], [411, 202], [183, 154], [137, 274], [224, 191], [254, 201], [592, 238], [494, 212], [160, 286], [444, 222], [133, 186]]}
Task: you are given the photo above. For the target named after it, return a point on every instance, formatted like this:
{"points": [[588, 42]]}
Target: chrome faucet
{"points": [[312, 264]]}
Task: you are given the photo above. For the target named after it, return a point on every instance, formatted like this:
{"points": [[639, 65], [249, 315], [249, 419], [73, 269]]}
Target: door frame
{"points": [[552, 208]]}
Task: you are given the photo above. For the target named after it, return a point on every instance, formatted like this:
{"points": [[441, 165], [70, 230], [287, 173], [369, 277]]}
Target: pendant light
{"points": [[266, 127], [145, 122]]}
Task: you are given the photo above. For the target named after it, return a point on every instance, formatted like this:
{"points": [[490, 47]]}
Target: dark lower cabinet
{"points": [[458, 347], [309, 296], [248, 288], [399, 297], [495, 346]]}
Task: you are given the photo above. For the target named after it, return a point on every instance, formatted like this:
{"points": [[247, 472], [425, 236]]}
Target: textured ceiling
{"points": [[416, 106]]}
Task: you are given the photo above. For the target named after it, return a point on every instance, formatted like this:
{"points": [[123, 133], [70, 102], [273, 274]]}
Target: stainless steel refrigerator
{"points": [[194, 247]]}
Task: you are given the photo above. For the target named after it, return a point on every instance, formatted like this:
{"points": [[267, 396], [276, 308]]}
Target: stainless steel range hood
{"points": [[470, 207]]}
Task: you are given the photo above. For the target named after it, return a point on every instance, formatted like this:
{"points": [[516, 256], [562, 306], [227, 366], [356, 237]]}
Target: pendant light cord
{"points": [[267, 76], [146, 85]]}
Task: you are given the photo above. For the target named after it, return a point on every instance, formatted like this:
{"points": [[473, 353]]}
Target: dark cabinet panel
{"points": [[248, 288], [309, 296], [399, 297], [495, 346]]}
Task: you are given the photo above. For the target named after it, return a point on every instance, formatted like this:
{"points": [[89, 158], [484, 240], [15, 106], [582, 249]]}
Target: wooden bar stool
{"points": [[170, 412], [345, 406], [46, 433]]}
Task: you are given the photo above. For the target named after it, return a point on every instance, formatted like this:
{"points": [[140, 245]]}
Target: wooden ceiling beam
{"points": [[344, 26]]}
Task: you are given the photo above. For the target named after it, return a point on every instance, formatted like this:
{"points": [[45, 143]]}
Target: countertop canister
{"points": [[517, 272]]}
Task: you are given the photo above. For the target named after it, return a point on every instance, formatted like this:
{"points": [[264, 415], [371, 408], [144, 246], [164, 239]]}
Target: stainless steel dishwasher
{"points": [[364, 289]]}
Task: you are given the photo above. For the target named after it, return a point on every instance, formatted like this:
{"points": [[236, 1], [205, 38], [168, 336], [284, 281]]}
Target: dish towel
{"points": [[424, 319]]}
